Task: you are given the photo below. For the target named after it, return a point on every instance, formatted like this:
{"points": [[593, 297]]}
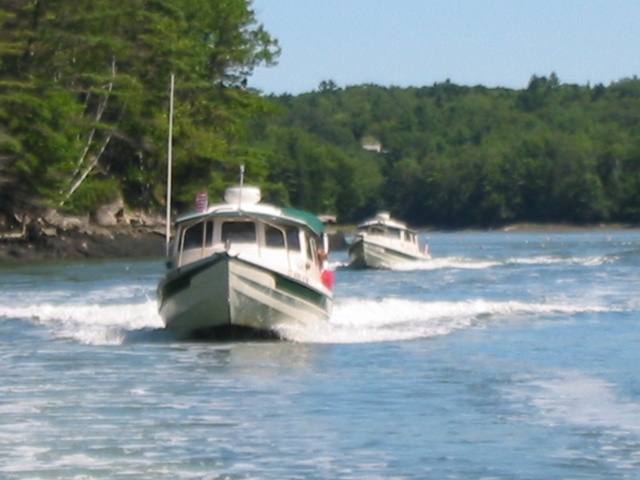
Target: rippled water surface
{"points": [[508, 356]]}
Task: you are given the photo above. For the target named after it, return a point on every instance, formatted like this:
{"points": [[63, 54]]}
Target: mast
{"points": [[169, 161], [241, 186]]}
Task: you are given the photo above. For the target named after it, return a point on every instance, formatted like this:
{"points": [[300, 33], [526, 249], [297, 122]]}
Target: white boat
{"points": [[382, 242], [243, 266]]}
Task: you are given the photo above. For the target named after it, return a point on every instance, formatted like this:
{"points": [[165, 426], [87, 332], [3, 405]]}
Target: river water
{"points": [[510, 355]]}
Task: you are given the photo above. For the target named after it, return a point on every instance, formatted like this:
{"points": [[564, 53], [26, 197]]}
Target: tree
{"points": [[476, 156], [97, 75]]}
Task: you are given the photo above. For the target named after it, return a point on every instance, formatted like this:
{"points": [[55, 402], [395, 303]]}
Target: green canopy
{"points": [[309, 218]]}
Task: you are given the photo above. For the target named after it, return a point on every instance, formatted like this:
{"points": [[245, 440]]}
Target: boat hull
{"points": [[223, 293], [364, 253]]}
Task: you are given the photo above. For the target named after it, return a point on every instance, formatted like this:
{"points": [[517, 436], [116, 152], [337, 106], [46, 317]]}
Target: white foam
{"points": [[391, 319], [447, 262], [90, 324], [353, 320], [480, 263], [584, 404], [589, 261], [469, 263], [575, 398]]}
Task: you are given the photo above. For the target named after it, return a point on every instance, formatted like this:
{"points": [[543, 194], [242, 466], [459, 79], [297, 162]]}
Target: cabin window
{"points": [[193, 236], [395, 233], [274, 237], [196, 234], [312, 250], [238, 232], [293, 238], [376, 231]]}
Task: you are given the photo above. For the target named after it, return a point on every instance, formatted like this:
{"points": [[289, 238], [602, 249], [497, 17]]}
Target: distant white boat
{"points": [[382, 242], [243, 266]]}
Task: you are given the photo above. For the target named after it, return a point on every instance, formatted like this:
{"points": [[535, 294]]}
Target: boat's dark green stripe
{"points": [[399, 254], [299, 290], [293, 287]]}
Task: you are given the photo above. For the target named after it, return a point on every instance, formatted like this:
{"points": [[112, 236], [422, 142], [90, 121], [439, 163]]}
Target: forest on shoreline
{"points": [[84, 102], [454, 156]]}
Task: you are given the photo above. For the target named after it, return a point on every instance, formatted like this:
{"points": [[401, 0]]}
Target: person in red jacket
{"points": [[327, 276]]}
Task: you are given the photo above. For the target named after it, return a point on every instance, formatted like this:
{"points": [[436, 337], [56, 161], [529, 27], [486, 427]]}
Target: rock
{"points": [[110, 214], [75, 244], [51, 235], [63, 221]]}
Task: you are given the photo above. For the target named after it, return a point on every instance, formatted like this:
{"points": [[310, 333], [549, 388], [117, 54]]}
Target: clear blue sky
{"points": [[470, 42]]}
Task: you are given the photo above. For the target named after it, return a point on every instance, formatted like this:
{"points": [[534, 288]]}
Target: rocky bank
{"points": [[76, 245], [108, 234]]}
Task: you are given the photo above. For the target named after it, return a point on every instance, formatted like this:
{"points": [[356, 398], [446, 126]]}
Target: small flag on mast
{"points": [[202, 201]]}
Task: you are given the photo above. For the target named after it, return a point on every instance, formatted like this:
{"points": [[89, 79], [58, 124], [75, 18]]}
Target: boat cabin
{"points": [[387, 231], [383, 226], [249, 235]]}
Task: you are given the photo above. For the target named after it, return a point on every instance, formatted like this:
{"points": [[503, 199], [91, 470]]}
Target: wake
{"points": [[363, 321], [353, 320], [476, 263]]}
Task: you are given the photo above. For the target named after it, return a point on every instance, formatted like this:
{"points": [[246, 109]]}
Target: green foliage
{"points": [[460, 156], [94, 193], [85, 90], [84, 100]]}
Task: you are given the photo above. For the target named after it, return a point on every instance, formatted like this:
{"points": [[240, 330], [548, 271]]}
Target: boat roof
{"points": [[383, 219], [263, 211]]}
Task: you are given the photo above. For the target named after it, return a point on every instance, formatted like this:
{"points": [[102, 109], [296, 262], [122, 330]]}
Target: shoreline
{"points": [[98, 244], [139, 242]]}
